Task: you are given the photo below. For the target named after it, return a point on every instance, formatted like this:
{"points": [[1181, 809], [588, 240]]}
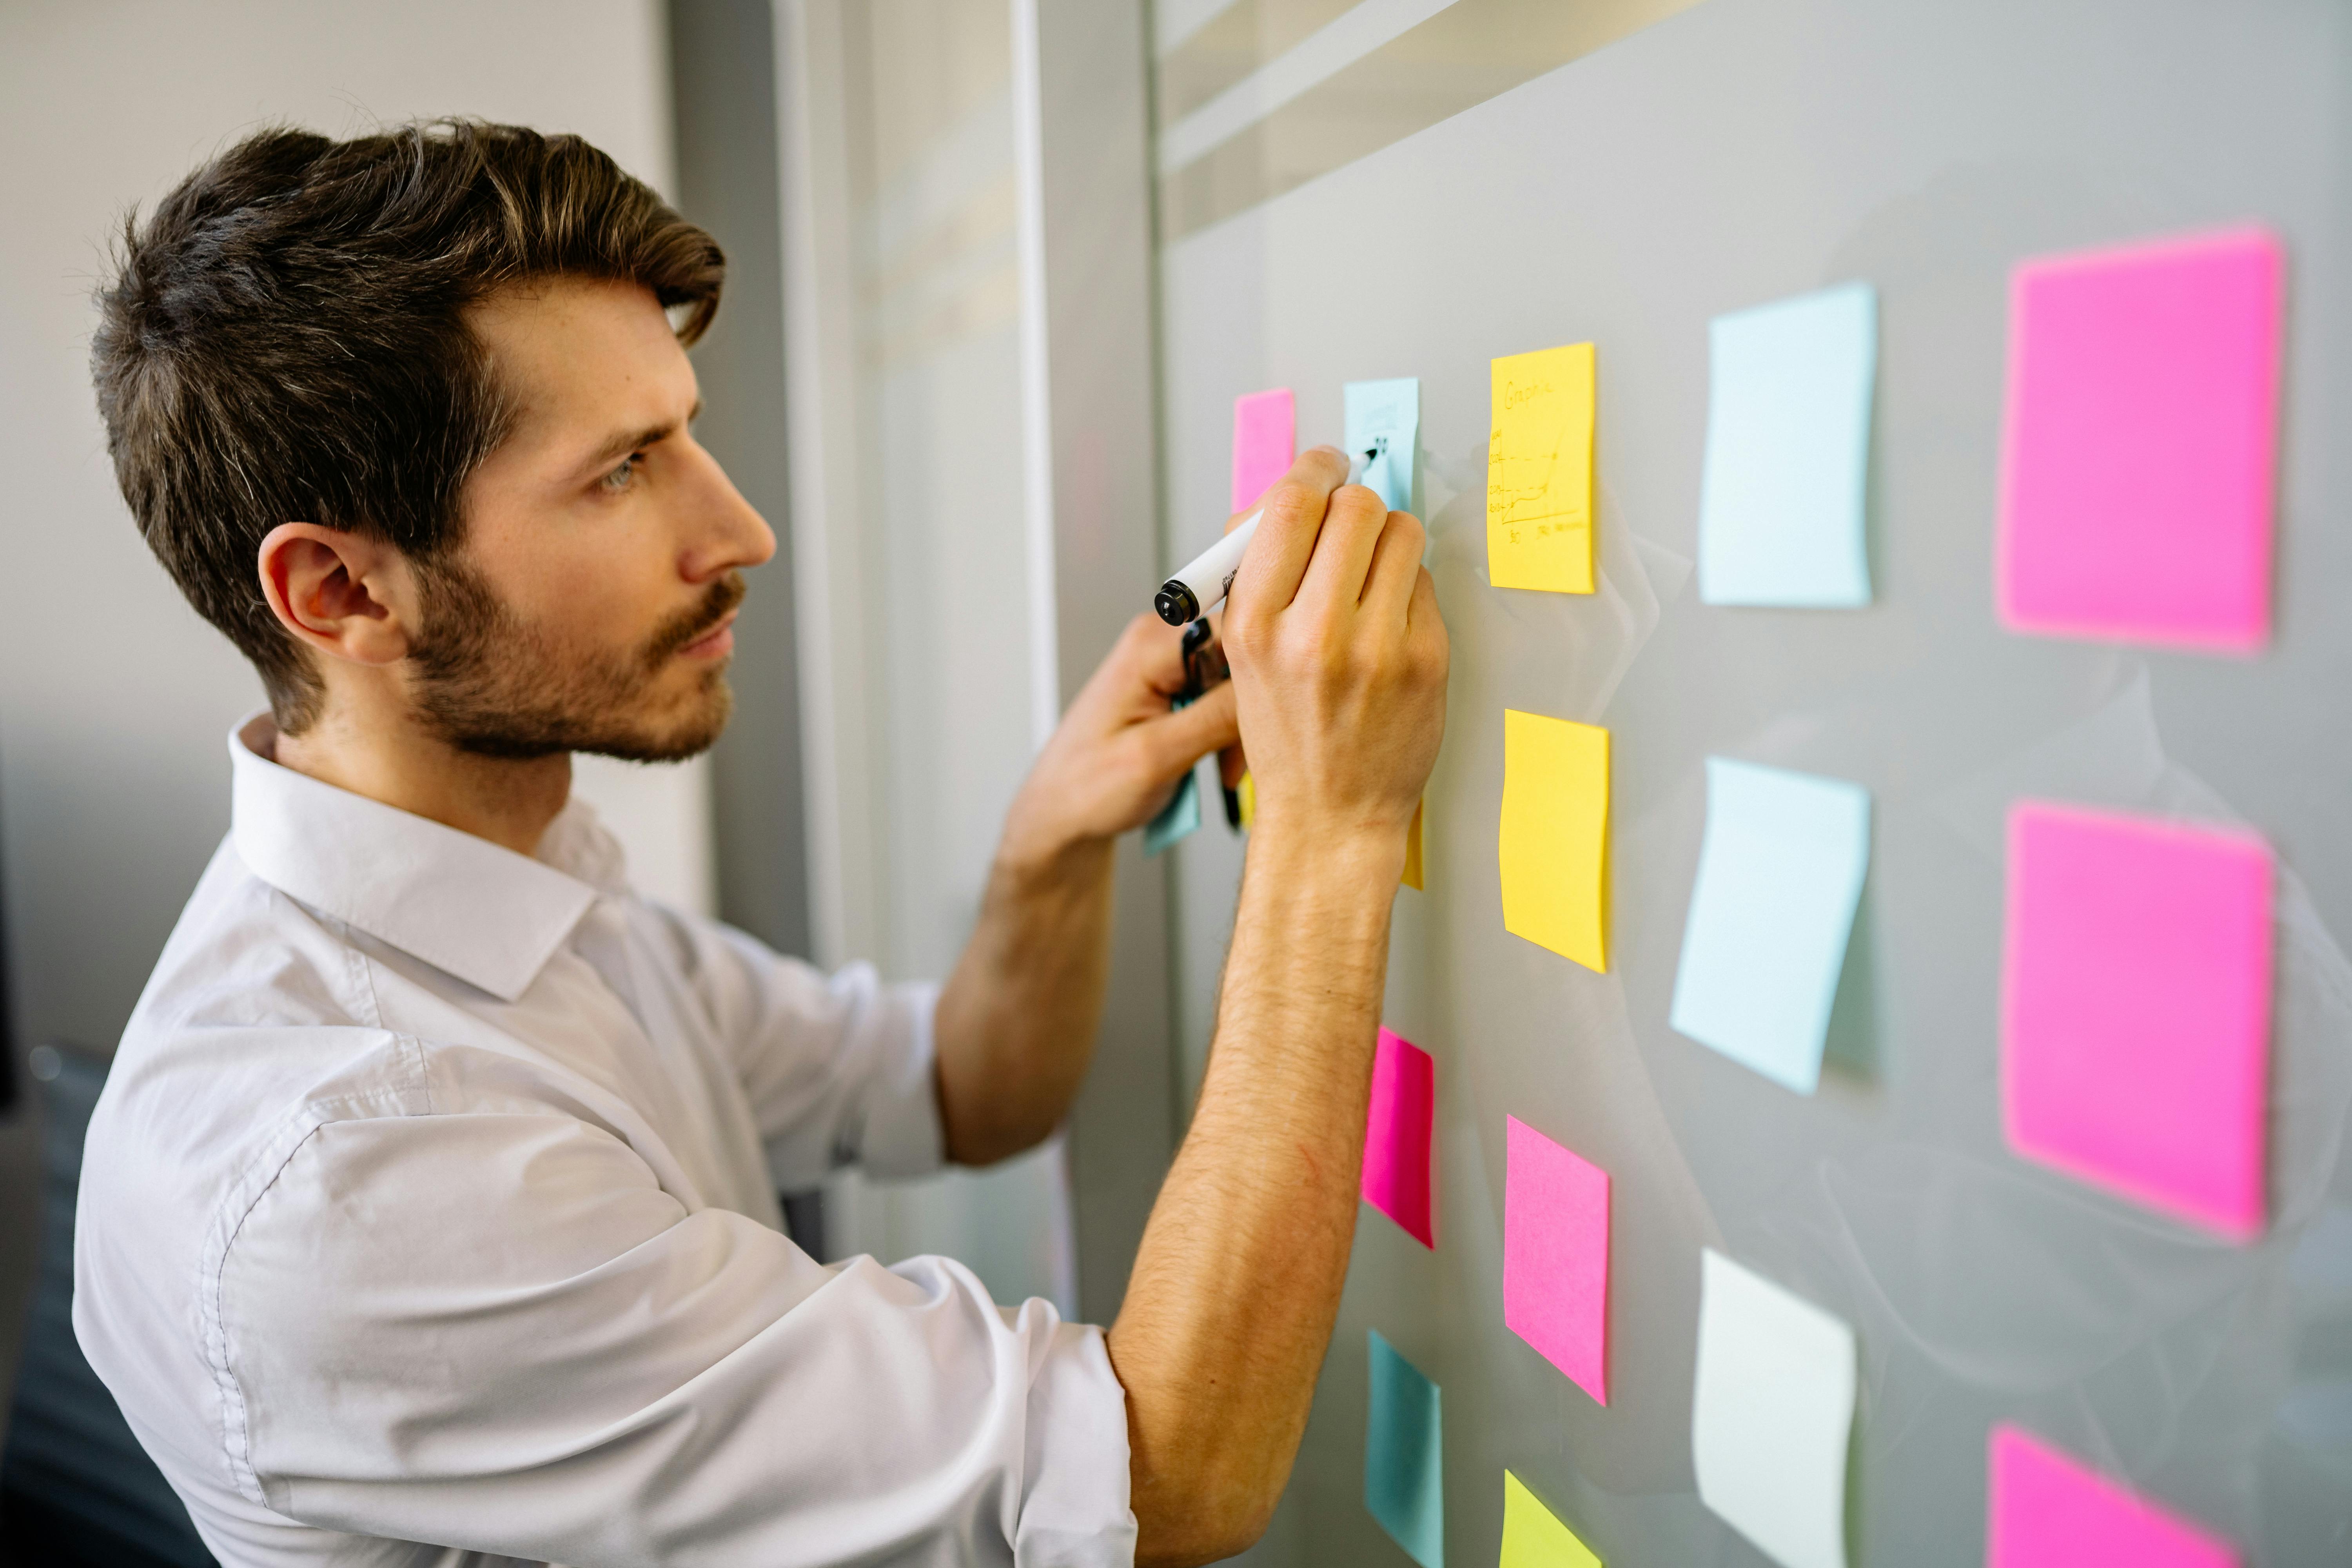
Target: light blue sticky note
{"points": [[1181, 817], [1787, 451], [1384, 418], [1405, 1476], [1780, 873]]}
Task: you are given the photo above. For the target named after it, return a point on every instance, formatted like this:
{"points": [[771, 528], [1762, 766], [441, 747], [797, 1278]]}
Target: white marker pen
{"points": [[1202, 586]]}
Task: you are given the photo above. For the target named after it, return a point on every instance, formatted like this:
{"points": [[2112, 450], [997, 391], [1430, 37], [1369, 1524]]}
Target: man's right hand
{"points": [[1339, 659], [1338, 666]]}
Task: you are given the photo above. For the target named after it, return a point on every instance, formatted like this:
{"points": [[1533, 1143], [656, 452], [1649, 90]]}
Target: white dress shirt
{"points": [[429, 1216]]}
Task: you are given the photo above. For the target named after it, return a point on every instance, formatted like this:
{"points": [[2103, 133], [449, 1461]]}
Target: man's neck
{"points": [[390, 758]]}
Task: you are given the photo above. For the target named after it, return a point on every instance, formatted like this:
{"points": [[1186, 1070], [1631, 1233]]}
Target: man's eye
{"points": [[621, 477]]}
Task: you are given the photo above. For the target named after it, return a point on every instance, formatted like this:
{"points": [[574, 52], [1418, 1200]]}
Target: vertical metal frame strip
{"points": [[821, 416]]}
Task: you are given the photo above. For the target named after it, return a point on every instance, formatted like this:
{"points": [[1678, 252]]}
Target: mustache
{"points": [[696, 619]]}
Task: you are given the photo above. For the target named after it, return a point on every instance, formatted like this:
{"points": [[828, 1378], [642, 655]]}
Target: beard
{"points": [[491, 684]]}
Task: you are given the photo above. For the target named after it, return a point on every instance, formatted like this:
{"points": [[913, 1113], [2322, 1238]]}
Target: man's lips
{"points": [[716, 643]]}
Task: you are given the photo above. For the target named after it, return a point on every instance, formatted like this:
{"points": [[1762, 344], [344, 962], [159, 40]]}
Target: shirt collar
{"points": [[463, 904]]}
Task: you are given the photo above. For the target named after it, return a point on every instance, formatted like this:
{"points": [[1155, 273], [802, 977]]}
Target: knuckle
{"points": [[1358, 507], [1289, 502]]}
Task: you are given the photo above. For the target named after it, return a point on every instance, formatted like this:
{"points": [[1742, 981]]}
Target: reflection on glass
{"points": [[1336, 81]]}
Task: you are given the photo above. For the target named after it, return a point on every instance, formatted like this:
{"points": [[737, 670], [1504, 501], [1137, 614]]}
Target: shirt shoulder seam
{"points": [[412, 1047]]}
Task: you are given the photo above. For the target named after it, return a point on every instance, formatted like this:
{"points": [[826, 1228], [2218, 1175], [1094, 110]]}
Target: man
{"points": [[429, 1214]]}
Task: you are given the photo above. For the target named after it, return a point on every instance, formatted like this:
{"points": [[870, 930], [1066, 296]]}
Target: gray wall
{"points": [[723, 75], [1740, 151]]}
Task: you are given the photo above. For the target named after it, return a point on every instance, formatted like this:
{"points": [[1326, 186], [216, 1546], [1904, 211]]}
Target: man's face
{"points": [[590, 605]]}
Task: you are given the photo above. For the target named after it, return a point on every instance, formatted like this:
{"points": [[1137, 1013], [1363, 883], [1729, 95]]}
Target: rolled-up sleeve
{"points": [[495, 1331], [838, 1067]]}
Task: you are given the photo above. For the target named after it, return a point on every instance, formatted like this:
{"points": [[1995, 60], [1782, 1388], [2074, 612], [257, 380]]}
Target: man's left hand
{"points": [[1119, 751]]}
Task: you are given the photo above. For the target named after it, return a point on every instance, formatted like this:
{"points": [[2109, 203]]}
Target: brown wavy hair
{"points": [[284, 339]]}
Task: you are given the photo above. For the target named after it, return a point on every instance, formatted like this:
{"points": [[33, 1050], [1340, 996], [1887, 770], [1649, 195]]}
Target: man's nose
{"points": [[726, 532]]}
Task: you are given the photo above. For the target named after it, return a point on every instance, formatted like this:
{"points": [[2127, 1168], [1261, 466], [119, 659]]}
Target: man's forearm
{"points": [[1016, 1023], [1017, 1020], [1238, 1278]]}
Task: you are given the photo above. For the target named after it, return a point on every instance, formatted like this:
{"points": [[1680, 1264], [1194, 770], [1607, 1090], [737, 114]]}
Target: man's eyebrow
{"points": [[629, 441]]}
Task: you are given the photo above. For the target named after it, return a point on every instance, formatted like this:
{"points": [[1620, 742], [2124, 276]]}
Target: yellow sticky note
{"points": [[1532, 1538], [1554, 844], [1539, 471], [1412, 849], [1247, 790]]}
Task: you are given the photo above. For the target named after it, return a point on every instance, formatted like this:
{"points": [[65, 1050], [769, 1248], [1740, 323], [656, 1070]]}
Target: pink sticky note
{"points": [[2047, 1511], [1556, 1255], [1396, 1134], [2139, 442], [2136, 1004], [1265, 436]]}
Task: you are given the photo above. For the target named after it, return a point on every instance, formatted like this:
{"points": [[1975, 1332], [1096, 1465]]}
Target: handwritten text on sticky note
{"points": [[1539, 471], [1384, 422]]}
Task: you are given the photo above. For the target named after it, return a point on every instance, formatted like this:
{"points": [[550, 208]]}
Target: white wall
{"points": [[114, 697]]}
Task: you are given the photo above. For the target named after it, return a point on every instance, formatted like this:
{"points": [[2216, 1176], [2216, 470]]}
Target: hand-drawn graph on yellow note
{"points": [[1539, 471]]}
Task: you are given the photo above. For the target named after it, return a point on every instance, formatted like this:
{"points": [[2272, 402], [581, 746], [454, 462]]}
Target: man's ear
{"points": [[341, 593]]}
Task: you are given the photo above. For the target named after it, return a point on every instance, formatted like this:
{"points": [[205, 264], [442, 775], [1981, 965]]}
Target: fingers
{"points": [[1294, 508], [1425, 627], [1154, 651], [1343, 552], [1395, 566], [1192, 732]]}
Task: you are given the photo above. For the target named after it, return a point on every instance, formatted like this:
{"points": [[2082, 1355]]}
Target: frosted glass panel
{"points": [[930, 179], [1733, 154]]}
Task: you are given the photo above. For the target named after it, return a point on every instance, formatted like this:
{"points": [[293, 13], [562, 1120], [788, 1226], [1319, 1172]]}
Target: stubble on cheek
{"points": [[490, 683]]}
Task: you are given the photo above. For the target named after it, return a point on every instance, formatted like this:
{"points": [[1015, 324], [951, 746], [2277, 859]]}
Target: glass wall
{"points": [[920, 153], [1742, 152]]}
